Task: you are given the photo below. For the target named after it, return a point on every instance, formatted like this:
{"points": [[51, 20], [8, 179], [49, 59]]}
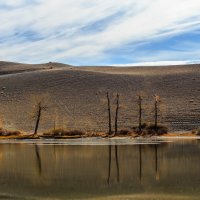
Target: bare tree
{"points": [[156, 102], [39, 107], [116, 114], [109, 116], [55, 119], [140, 112]]}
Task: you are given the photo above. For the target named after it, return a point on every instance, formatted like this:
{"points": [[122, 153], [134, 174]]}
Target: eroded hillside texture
{"points": [[77, 95]]}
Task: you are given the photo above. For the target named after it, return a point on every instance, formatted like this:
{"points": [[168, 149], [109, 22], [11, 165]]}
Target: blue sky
{"points": [[96, 32]]}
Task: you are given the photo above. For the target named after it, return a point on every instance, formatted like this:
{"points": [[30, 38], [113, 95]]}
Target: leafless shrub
{"points": [[124, 132], [4, 132], [196, 131], [156, 130]]}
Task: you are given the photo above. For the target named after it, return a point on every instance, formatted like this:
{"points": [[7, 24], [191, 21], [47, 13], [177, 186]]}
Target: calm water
{"points": [[79, 170]]}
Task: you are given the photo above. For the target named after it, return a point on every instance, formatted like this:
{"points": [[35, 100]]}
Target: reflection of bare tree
{"points": [[140, 161], [117, 161], [110, 163], [39, 164], [157, 175], [156, 162]]}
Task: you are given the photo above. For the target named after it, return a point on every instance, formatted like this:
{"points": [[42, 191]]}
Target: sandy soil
{"points": [[148, 197], [78, 101]]}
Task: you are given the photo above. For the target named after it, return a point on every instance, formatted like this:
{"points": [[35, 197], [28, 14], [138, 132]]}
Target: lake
{"points": [[100, 169]]}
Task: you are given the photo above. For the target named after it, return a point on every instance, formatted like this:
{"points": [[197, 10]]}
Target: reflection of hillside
{"points": [[88, 169]]}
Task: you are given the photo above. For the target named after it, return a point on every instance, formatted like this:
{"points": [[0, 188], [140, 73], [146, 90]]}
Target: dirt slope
{"points": [[78, 101]]}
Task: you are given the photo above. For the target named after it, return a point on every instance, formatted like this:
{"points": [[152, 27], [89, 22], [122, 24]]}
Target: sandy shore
{"points": [[168, 135]]}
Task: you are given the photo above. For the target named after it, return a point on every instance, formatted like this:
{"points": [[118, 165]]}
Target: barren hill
{"points": [[77, 95]]}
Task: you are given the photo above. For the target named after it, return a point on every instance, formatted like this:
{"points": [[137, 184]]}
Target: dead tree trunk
{"points": [[116, 114], [38, 119], [109, 116], [54, 124], [156, 113], [140, 113]]}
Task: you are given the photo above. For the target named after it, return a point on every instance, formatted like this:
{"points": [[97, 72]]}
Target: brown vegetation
{"points": [[196, 131], [6, 133], [62, 132]]}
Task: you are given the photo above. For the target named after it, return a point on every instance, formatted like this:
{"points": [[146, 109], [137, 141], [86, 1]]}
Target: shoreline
{"points": [[173, 135]]}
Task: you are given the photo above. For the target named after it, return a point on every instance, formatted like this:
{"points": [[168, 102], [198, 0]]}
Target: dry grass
{"points": [[9, 134], [196, 131], [146, 196], [179, 135], [62, 133], [6, 133]]}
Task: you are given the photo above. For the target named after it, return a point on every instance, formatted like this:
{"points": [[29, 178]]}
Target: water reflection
{"points": [[39, 165], [157, 176], [67, 172], [140, 158], [110, 161]]}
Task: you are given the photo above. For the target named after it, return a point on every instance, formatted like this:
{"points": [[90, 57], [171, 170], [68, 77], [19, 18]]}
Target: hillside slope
{"points": [[77, 95]]}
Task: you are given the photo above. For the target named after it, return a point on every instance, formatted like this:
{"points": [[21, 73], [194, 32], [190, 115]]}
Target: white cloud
{"points": [[59, 24], [158, 63]]}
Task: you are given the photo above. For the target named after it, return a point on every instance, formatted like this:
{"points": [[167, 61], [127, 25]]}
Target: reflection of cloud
{"points": [[69, 31]]}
